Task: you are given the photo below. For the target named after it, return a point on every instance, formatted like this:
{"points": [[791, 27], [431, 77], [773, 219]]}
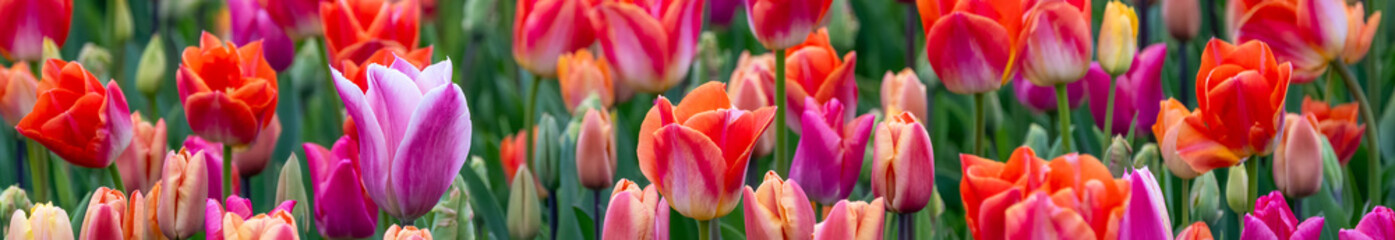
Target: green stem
{"points": [[1109, 113], [1329, 93], [38, 172], [1373, 146], [116, 177], [227, 171], [154, 108], [781, 155], [704, 232], [1187, 201], [1063, 108], [978, 123], [528, 117], [1253, 168]]}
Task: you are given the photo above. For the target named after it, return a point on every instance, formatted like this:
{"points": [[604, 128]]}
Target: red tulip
{"points": [[971, 44], [229, 93], [356, 31], [1309, 33], [650, 44], [17, 92], [814, 70], [781, 24], [77, 118], [1339, 124], [544, 30], [28, 22]]}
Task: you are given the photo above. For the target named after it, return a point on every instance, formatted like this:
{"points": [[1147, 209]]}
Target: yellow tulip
{"points": [[1118, 38]]}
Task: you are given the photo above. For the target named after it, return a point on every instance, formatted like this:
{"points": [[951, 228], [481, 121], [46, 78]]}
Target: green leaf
{"points": [[731, 232], [486, 207], [587, 225]]}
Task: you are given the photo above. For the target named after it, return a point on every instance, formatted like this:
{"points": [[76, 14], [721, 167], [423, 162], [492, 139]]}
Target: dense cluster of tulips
{"points": [[641, 136]]}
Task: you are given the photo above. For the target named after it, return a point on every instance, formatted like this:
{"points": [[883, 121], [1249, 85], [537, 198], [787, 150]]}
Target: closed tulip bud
{"points": [[11, 200], [1360, 31], [547, 151], [1118, 38], [1119, 156], [595, 151], [141, 163], [151, 69], [546, 29], [657, 39], [778, 210], [1332, 169], [477, 15], [454, 218], [103, 217], [477, 164], [18, 92], [185, 185], [1037, 138], [1298, 160], [902, 150], [525, 215], [1146, 156], [407, 233], [783, 24], [290, 186], [1145, 213], [1055, 44], [903, 92], [842, 23], [853, 220], [636, 213], [121, 26], [97, 59], [1197, 231], [139, 221], [1182, 18], [51, 50], [43, 222], [1205, 205], [1237, 189]]}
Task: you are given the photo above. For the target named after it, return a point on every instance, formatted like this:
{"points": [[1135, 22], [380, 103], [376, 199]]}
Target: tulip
{"points": [[45, 221], [77, 118], [11, 200], [252, 160], [141, 162], [279, 224], [970, 53], [595, 151], [650, 44], [1055, 44], [829, 158], [1203, 200], [1182, 18], [778, 210], [139, 220], [1298, 160], [1339, 125], [341, 208], [1309, 33], [636, 213], [414, 134], [1378, 223], [358, 71], [513, 153], [453, 215], [103, 217], [547, 152], [151, 69], [1080, 183], [213, 219], [1237, 189], [252, 23], [524, 215], [1037, 217], [580, 75], [903, 92], [358, 30], [213, 160], [1119, 156], [222, 105], [1196, 231], [1043, 98], [406, 233], [852, 220], [96, 59], [290, 186], [901, 150], [752, 86], [300, 18], [1118, 38], [17, 92], [784, 24], [814, 70], [28, 23], [1272, 219], [1360, 31], [543, 30], [677, 141], [1137, 92], [1145, 217], [186, 187]]}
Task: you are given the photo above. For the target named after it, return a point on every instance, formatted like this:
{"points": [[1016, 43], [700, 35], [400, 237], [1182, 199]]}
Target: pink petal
{"points": [[435, 146], [372, 142]]}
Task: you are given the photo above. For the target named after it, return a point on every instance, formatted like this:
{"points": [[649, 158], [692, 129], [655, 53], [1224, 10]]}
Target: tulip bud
{"points": [[1146, 156], [476, 164], [1037, 138], [1118, 38], [1197, 231], [778, 209], [1331, 168], [453, 214], [581, 75], [595, 151], [903, 150], [151, 69], [1237, 189], [1055, 44], [102, 219], [1204, 203], [525, 215], [635, 213], [95, 59], [44, 221], [547, 151], [185, 185], [1119, 156], [937, 204], [853, 220], [51, 50], [903, 92], [1298, 159], [120, 21], [402, 233], [1182, 18], [11, 200], [711, 56], [139, 220], [291, 187], [477, 15]]}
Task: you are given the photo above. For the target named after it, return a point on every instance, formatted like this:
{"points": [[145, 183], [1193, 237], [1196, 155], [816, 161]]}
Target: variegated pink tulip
{"points": [[814, 70], [185, 185], [1055, 43], [636, 213], [903, 92], [140, 164], [778, 210], [752, 86], [103, 217], [1272, 219], [971, 53], [829, 158], [650, 44], [779, 24], [28, 23], [902, 154], [543, 30], [853, 220]]}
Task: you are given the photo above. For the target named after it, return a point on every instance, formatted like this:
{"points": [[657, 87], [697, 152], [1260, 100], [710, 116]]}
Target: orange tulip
{"points": [[546, 29], [229, 93], [901, 150], [580, 75], [77, 118], [180, 210], [1308, 33], [752, 86], [903, 92], [357, 70], [28, 23], [595, 150], [1339, 124], [17, 92], [1298, 159], [781, 24], [814, 70], [513, 153], [650, 44], [141, 162], [356, 30], [1197, 231], [1080, 184], [103, 217], [277, 225], [778, 210], [1055, 43], [853, 220], [138, 222], [696, 153], [406, 233]]}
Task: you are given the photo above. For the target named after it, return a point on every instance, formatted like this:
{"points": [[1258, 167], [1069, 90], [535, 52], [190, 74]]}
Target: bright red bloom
{"points": [[28, 22], [229, 92], [358, 31], [77, 118]]}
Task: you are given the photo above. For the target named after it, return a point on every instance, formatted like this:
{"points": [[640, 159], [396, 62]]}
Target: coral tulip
{"points": [[696, 153], [1037, 217], [1136, 93], [341, 208], [1298, 159], [28, 23], [1055, 43], [1339, 124], [971, 53], [1043, 98], [1146, 216], [595, 150], [229, 93], [636, 213], [853, 220], [543, 30], [300, 18], [103, 217], [752, 86], [18, 91], [901, 151], [1182, 18], [413, 132], [185, 187], [1308, 33], [1360, 32], [513, 153], [139, 220], [406, 233], [250, 22], [1197, 231], [783, 24], [358, 30], [1118, 38], [77, 118], [279, 224], [1377, 224], [903, 92], [778, 210], [830, 154], [1272, 219], [580, 75], [140, 164], [44, 221], [1080, 183], [814, 70], [650, 44]]}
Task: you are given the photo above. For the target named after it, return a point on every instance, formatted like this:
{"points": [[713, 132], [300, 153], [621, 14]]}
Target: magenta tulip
{"points": [[213, 162], [829, 158], [1378, 224], [1136, 93], [341, 209], [1272, 219], [1042, 99], [1145, 215], [250, 23]]}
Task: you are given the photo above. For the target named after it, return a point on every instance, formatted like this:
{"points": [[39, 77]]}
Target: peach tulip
{"points": [[1339, 124], [595, 150], [1298, 159], [853, 220], [752, 86], [18, 91], [229, 92], [44, 222], [903, 92], [782, 24], [1118, 38], [1272, 219], [252, 160], [650, 44], [814, 70], [579, 75], [180, 208], [77, 118], [696, 153], [1197, 231], [901, 153], [1378, 223], [1055, 43], [28, 23], [406, 233], [636, 213], [139, 220], [830, 154], [778, 210], [140, 164], [1182, 18], [1309, 33], [356, 30], [103, 217], [543, 30]]}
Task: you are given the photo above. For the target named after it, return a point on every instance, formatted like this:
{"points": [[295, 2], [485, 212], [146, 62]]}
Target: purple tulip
{"points": [[1042, 99], [1378, 224], [1136, 93], [213, 159], [251, 23], [722, 11], [1272, 219], [341, 209], [1145, 216], [829, 157], [413, 133]]}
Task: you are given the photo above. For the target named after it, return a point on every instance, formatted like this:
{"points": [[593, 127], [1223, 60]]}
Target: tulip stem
{"points": [[978, 123], [227, 171], [38, 169], [781, 155], [528, 112], [1182, 78], [1253, 169], [596, 209], [116, 178], [1109, 112], [1063, 108], [154, 108], [704, 230], [905, 222], [1186, 201], [1373, 146]]}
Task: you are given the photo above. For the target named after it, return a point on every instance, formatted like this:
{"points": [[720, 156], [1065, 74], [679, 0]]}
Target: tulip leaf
{"points": [[1387, 123], [488, 209], [585, 222], [731, 232], [79, 213]]}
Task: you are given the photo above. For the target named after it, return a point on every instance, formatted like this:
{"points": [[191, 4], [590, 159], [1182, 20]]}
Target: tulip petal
{"points": [[393, 96], [1274, 24], [626, 217], [687, 156], [1146, 215], [635, 42], [434, 76], [763, 222], [1256, 229], [1309, 230], [967, 52], [436, 144], [340, 207], [119, 131], [373, 144]]}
